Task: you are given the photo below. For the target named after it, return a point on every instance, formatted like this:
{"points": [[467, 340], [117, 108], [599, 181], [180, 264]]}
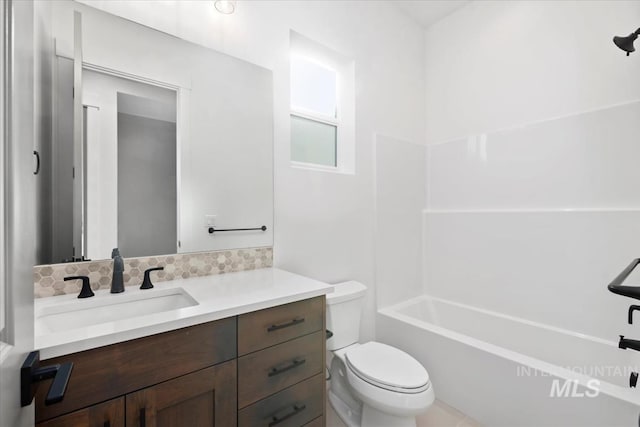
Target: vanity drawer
{"points": [[293, 406], [107, 372], [264, 328], [268, 371]]}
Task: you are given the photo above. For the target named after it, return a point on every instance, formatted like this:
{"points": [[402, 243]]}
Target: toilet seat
{"points": [[388, 368]]}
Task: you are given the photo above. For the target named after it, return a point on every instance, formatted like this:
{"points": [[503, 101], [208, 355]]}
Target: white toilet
{"points": [[372, 384]]}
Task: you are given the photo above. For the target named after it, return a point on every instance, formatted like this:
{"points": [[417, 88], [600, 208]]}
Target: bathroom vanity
{"points": [[259, 361]]}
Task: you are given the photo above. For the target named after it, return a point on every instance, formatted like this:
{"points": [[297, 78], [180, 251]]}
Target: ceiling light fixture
{"points": [[225, 6]]}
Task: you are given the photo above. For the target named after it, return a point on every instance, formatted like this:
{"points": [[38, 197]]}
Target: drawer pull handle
{"points": [[294, 322], [107, 423], [296, 410], [295, 363], [143, 417]]}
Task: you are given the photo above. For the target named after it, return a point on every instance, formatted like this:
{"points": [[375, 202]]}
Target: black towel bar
{"points": [[218, 230]]}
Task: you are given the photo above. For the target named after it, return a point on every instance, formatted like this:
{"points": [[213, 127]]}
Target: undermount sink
{"points": [[106, 308]]}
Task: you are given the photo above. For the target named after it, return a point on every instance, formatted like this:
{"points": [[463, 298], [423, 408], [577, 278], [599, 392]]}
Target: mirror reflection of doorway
{"points": [[131, 165], [147, 199]]}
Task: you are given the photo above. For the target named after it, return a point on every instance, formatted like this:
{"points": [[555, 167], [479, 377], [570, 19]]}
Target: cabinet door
{"points": [[107, 414], [203, 398]]}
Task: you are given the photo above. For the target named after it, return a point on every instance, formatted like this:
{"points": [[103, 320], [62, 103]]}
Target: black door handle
{"points": [[35, 153], [31, 372]]}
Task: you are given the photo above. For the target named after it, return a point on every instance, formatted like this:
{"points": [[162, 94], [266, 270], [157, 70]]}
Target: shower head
{"points": [[626, 43]]}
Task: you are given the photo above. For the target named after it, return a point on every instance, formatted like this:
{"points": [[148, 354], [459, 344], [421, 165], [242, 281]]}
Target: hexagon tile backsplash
{"points": [[49, 281]]}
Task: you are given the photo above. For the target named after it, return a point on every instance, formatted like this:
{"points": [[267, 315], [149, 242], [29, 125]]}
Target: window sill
{"points": [[320, 168]]}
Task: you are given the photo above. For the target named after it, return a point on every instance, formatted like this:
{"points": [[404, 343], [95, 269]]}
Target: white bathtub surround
{"points": [[584, 160], [531, 210], [509, 371], [538, 225], [400, 195]]}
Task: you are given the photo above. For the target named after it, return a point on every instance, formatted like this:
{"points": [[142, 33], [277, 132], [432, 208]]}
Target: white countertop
{"points": [[217, 297]]}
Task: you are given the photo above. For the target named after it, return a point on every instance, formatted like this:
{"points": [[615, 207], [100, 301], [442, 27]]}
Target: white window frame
{"points": [[344, 121]]}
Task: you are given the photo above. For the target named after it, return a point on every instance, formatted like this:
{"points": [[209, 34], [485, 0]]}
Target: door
{"points": [[18, 225], [204, 398]]}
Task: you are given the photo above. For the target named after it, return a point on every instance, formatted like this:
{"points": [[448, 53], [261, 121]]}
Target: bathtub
{"points": [[506, 371]]}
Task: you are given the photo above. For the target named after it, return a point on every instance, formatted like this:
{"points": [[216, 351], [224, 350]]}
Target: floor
{"points": [[439, 415]]}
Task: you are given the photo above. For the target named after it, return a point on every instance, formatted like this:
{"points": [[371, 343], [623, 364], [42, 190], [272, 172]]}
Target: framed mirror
{"points": [[160, 145]]}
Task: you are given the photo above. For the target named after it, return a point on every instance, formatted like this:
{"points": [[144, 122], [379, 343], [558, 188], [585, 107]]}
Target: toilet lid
{"points": [[387, 366]]}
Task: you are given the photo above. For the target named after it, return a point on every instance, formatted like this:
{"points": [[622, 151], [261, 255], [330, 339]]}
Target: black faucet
{"points": [[117, 282], [626, 343], [146, 283], [86, 291]]}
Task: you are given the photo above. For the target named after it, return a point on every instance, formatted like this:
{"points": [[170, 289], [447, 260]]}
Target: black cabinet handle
{"points": [[107, 423], [146, 283], [31, 372], [143, 417], [296, 410], [294, 364], [294, 322]]}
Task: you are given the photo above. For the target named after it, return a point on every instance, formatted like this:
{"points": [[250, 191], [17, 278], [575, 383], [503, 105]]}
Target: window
{"points": [[321, 107], [314, 123]]}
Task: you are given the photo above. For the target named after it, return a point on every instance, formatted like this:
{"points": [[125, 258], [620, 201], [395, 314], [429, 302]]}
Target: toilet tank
{"points": [[344, 307]]}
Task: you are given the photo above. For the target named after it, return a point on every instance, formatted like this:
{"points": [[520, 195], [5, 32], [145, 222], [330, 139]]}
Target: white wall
{"points": [[323, 222], [532, 120], [498, 64]]}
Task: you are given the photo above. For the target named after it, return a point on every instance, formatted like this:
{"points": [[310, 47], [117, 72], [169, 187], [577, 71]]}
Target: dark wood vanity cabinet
{"points": [[203, 398], [264, 368], [281, 360], [107, 414]]}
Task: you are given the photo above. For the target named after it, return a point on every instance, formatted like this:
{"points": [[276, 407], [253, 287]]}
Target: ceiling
{"points": [[427, 12]]}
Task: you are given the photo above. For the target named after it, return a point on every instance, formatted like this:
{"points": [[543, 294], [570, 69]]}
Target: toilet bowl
{"points": [[372, 384]]}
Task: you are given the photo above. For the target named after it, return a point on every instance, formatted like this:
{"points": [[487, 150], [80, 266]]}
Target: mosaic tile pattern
{"points": [[49, 281]]}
